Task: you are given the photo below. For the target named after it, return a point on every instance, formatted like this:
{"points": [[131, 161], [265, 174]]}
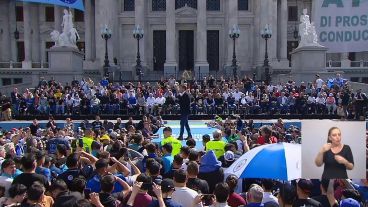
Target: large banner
{"points": [[76, 4], [342, 25]]}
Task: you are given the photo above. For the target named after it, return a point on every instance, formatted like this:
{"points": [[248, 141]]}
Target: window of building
{"points": [[18, 80], [129, 5], [78, 15], [352, 56], [158, 5], [181, 3], [81, 46], [48, 45], [354, 79], [364, 79], [293, 13], [291, 45], [19, 13], [49, 14], [213, 5], [6, 81], [20, 51], [243, 5]]}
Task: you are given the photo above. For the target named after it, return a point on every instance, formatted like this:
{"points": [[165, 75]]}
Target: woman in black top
{"points": [[336, 156]]}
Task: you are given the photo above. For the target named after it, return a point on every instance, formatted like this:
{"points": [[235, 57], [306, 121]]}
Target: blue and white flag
{"points": [[76, 4]]}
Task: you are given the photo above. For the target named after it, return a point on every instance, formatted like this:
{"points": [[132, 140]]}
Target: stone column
{"points": [[5, 32], [88, 30], [139, 20], [27, 63], [272, 21], [170, 64], [283, 28], [58, 15], [233, 19], [35, 32], [345, 62], [105, 13], [12, 26], [201, 64]]}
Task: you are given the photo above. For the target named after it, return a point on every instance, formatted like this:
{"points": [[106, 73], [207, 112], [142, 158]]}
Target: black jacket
{"points": [[184, 102]]}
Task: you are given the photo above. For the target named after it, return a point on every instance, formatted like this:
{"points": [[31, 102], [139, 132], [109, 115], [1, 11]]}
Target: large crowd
{"points": [[115, 164], [208, 96], [112, 164]]}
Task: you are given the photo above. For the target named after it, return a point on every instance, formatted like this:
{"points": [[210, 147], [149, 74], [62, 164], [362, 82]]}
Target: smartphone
{"points": [[87, 191]]}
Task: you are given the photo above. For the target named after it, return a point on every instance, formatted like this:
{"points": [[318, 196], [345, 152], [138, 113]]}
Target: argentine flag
{"points": [[76, 4]]}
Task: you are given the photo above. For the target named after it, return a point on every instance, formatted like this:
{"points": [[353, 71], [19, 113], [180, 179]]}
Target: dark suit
{"points": [[184, 102]]}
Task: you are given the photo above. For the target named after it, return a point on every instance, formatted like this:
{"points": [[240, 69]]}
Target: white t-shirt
{"points": [[319, 83], [6, 183], [268, 197], [185, 196]]}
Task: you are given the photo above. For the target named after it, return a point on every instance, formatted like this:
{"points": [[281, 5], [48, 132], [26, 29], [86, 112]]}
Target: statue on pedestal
{"points": [[69, 35], [307, 31]]}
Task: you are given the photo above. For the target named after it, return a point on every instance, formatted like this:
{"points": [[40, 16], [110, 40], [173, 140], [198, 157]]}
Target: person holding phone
{"points": [[336, 157]]}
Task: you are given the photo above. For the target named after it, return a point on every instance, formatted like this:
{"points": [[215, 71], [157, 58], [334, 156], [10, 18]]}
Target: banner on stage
{"points": [[342, 25], [76, 4]]}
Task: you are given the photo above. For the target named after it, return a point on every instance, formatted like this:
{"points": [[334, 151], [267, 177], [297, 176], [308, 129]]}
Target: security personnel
{"points": [[87, 140], [216, 145], [168, 138]]}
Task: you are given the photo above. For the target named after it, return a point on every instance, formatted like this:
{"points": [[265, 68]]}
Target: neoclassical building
{"points": [[178, 35]]}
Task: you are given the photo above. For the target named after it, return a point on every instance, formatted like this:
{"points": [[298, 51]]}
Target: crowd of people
{"points": [[208, 96], [113, 164]]}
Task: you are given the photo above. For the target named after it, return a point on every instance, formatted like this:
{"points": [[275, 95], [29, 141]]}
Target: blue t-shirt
{"points": [[132, 100], [104, 82], [52, 144], [45, 172], [167, 161], [168, 202], [94, 184]]}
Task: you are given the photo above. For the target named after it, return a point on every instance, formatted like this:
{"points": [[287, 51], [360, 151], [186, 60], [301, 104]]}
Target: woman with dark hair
{"points": [[266, 136], [287, 195], [234, 199], [17, 193], [336, 156]]}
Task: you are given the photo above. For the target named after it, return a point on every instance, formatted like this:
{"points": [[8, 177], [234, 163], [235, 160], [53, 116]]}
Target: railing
{"points": [[10, 64], [19, 64], [331, 63], [355, 64]]}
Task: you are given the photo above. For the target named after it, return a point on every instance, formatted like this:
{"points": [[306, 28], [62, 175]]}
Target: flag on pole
{"points": [[76, 4]]}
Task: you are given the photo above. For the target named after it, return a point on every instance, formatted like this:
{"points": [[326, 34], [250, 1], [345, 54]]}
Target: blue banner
{"points": [[76, 4]]}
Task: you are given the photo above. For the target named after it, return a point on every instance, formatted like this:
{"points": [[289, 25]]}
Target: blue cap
{"points": [[349, 202]]}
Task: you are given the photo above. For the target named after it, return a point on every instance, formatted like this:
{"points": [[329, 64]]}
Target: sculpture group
{"points": [[69, 35], [307, 31]]}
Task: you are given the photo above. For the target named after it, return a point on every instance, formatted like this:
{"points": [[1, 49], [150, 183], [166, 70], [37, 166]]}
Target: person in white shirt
{"points": [[69, 104], [159, 102], [226, 94], [267, 186], [76, 104], [311, 104], [8, 169], [321, 103], [183, 195], [237, 95], [319, 83], [150, 103], [95, 105]]}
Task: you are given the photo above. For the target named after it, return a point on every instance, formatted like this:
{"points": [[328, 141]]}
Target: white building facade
{"points": [[179, 34]]}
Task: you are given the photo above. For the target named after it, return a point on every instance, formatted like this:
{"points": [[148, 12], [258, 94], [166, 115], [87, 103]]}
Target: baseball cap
{"points": [[305, 185], [229, 156], [167, 184], [349, 202]]}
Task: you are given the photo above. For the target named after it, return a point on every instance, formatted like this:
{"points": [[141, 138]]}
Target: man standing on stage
{"points": [[184, 102]]}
